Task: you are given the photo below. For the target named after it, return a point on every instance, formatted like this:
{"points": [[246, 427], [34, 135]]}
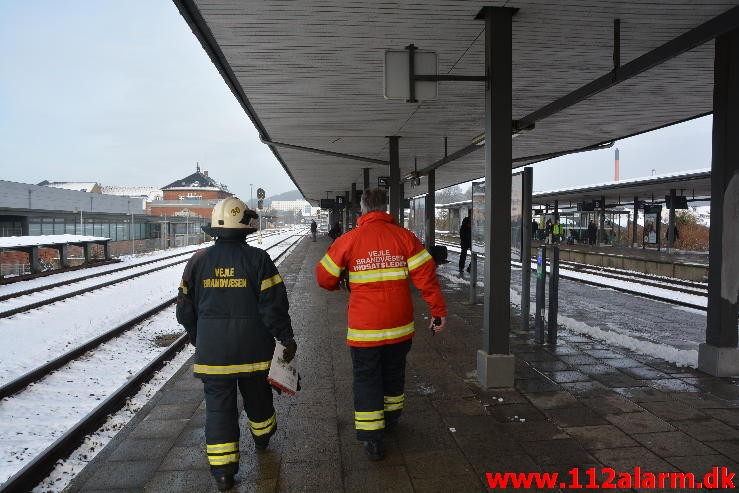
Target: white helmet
{"points": [[232, 214]]}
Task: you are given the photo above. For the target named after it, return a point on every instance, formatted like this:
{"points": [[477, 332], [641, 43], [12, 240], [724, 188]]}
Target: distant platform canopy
{"points": [[15, 242]]}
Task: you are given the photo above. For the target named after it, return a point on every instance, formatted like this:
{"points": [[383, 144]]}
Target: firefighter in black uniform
{"points": [[233, 304]]}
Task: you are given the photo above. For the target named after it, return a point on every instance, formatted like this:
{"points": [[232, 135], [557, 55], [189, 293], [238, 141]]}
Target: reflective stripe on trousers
{"points": [[379, 380]]}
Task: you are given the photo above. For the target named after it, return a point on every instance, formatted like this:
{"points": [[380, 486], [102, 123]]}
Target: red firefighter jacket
{"points": [[379, 257]]}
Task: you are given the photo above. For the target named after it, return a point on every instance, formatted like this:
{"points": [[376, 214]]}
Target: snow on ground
{"points": [[67, 469], [125, 261], [53, 405], [44, 333], [16, 241], [32, 419], [641, 325]]}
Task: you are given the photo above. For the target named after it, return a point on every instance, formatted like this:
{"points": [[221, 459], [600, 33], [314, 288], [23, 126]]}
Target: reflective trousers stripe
{"points": [[263, 427], [394, 403], [222, 460], [221, 448], [369, 420]]}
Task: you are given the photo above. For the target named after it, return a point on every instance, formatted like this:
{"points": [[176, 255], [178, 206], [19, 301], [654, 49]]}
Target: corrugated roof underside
{"points": [[313, 73]]}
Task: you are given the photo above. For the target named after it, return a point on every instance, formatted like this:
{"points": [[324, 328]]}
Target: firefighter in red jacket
{"points": [[233, 304], [378, 257]]}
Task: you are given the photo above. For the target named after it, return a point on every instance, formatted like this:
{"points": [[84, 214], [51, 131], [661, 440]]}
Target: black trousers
{"points": [[379, 381], [222, 417], [462, 258]]}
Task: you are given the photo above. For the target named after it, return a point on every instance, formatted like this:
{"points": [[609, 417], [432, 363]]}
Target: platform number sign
{"points": [[340, 201], [383, 182]]}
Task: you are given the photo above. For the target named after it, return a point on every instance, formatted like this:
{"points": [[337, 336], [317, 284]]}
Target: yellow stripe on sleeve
{"points": [[419, 259], [271, 281], [328, 263]]}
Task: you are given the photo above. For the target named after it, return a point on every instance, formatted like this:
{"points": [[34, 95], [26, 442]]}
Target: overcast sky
{"points": [[122, 93]]}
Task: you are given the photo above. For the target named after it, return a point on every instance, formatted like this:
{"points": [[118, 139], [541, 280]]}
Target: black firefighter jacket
{"points": [[233, 304]]}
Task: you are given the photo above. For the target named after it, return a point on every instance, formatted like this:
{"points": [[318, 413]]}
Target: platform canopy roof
{"points": [[695, 185], [310, 73]]}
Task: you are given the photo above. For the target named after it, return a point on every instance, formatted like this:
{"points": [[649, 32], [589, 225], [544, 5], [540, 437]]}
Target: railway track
{"points": [[182, 258], [39, 467], [579, 273]]}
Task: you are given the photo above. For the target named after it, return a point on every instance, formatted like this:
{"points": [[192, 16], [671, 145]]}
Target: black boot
{"points": [[224, 482], [375, 449]]}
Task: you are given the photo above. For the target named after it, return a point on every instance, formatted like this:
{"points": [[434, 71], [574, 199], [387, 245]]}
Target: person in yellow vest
{"points": [[557, 232]]}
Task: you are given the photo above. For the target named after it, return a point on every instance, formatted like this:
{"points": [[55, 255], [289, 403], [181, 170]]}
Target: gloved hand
{"points": [[289, 352]]}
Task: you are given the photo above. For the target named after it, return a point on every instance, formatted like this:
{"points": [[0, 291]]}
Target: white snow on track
{"points": [[32, 419]]}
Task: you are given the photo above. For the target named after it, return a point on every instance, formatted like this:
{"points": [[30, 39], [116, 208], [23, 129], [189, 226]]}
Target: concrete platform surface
{"points": [[579, 404]]}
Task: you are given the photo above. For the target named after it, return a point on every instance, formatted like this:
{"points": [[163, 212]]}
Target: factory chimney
{"points": [[616, 170]]}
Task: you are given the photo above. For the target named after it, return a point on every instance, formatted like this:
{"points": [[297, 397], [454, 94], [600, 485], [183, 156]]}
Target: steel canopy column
{"points": [[430, 207], [528, 185], [671, 222], [395, 196], [634, 239], [354, 205], [602, 222], [719, 355], [495, 366], [347, 212], [365, 176]]}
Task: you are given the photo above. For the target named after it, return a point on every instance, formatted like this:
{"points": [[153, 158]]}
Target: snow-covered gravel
{"points": [[32, 419]]}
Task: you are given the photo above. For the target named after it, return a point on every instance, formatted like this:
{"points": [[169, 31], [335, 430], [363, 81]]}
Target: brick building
{"points": [[192, 196]]}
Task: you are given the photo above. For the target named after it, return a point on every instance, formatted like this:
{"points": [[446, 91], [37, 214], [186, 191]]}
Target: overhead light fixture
{"points": [[413, 177]]}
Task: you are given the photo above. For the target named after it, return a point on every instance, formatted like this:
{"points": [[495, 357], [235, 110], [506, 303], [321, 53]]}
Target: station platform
{"points": [[579, 404], [680, 264]]}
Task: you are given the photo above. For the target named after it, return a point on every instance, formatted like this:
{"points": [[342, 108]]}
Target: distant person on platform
{"points": [[534, 229], [465, 242], [336, 230], [380, 257], [592, 233], [548, 231], [674, 230], [557, 232], [313, 229], [233, 304]]}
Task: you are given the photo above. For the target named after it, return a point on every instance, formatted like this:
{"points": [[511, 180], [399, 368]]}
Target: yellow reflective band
{"points": [[262, 424], [221, 460], [328, 264], [269, 282], [220, 448], [418, 259], [183, 287], [263, 427], [378, 275], [229, 369], [394, 407], [393, 399], [369, 425], [367, 415], [375, 335]]}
